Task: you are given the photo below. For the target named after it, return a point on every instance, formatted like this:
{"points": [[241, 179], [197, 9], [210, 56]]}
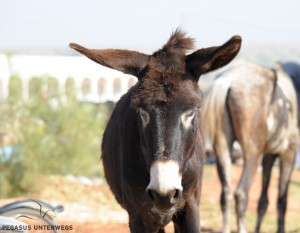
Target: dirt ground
{"points": [[92, 208]]}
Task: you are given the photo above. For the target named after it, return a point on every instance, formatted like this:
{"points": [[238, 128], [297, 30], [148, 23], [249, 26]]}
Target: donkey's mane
{"points": [[172, 55], [165, 68], [179, 41]]}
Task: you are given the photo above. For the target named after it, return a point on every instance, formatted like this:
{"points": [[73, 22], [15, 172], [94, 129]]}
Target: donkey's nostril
{"points": [[149, 195], [176, 194], [163, 200]]}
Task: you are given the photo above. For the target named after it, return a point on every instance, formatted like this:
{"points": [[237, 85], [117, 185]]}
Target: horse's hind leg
{"points": [[222, 150], [251, 161], [267, 164], [286, 168]]}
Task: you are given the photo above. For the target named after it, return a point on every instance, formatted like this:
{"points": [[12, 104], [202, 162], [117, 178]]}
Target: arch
{"points": [[131, 82], [117, 86], [15, 88], [101, 86], [70, 88], [86, 87], [35, 87], [1, 90], [52, 87]]}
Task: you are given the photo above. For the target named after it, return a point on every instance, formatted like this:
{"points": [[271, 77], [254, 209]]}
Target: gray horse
{"points": [[256, 106]]}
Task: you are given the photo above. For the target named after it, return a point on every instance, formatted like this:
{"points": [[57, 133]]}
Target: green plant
{"points": [[52, 136]]}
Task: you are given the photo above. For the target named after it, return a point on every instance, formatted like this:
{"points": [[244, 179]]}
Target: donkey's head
{"points": [[168, 102]]}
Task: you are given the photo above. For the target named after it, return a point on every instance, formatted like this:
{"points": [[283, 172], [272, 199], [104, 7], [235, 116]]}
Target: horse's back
{"points": [[248, 101], [251, 86], [263, 107]]}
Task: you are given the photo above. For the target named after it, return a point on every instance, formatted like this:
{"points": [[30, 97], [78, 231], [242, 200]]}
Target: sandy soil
{"points": [[92, 208]]}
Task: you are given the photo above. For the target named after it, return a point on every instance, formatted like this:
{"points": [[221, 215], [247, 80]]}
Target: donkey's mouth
{"points": [[164, 208], [165, 215]]}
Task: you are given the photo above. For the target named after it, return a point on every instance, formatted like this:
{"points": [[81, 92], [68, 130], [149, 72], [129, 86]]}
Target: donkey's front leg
{"points": [[137, 225], [188, 220]]}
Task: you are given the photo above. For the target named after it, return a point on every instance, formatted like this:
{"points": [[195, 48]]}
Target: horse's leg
{"points": [[222, 152], [251, 161], [286, 167], [267, 164], [222, 148]]}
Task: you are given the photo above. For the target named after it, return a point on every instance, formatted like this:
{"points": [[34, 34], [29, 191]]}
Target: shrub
{"points": [[53, 137]]}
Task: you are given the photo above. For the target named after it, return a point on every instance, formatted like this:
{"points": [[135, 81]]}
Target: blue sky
{"points": [[144, 25]]}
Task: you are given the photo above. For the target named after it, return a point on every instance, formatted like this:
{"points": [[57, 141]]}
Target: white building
{"points": [[103, 84]]}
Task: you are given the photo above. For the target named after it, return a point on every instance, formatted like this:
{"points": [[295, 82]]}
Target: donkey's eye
{"points": [[187, 118], [144, 117], [190, 114]]}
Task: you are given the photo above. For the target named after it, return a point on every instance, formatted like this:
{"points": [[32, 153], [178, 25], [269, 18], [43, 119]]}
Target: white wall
{"points": [[4, 76], [62, 67]]}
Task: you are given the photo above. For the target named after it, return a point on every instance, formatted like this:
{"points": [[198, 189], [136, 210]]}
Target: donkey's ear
{"points": [[209, 59], [129, 62]]}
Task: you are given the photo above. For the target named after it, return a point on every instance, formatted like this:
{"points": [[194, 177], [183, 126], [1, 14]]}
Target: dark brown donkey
{"points": [[152, 148]]}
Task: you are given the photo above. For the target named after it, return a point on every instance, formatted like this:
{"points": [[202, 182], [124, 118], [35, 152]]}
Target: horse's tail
{"points": [[214, 107]]}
